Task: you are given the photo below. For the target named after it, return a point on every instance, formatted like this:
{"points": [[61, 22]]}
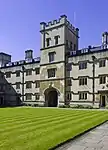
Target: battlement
{"points": [[55, 23], [20, 63]]}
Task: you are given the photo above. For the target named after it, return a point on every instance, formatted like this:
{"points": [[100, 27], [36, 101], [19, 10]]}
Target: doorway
{"points": [[103, 103], [51, 98]]}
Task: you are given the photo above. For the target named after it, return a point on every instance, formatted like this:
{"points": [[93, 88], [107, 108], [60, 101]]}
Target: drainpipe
{"points": [[93, 87], [23, 68]]}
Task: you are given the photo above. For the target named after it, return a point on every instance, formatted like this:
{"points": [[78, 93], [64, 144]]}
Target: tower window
{"points": [[51, 56], [51, 72], [56, 39], [48, 41]]}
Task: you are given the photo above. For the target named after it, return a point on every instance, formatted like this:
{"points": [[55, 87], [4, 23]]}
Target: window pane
{"points": [[17, 85], [51, 56], [51, 73], [69, 67], [28, 72], [79, 95], [85, 81], [28, 96], [82, 65], [79, 81], [102, 79], [82, 81], [37, 70], [85, 95], [69, 82], [28, 85], [8, 74], [37, 96], [56, 40], [102, 63], [48, 42], [69, 96], [82, 95], [37, 84], [17, 73]]}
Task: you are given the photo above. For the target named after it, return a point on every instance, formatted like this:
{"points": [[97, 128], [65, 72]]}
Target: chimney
{"points": [[89, 47], [28, 54], [105, 40]]}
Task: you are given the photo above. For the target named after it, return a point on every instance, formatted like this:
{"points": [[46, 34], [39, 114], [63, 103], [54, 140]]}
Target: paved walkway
{"points": [[96, 139]]}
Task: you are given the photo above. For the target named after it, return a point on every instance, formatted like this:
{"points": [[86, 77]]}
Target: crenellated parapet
{"points": [[59, 22]]}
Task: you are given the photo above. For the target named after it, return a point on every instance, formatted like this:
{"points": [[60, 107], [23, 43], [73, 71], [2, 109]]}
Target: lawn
{"points": [[43, 128]]}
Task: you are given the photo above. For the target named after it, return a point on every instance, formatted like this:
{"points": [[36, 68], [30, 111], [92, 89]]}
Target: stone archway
{"points": [[51, 97]]}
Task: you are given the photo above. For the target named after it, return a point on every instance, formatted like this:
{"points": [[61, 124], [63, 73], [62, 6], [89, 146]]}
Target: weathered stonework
{"points": [[59, 71], [66, 53], [57, 84]]}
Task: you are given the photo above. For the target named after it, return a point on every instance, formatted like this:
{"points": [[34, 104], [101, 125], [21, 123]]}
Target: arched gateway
{"points": [[51, 97]]}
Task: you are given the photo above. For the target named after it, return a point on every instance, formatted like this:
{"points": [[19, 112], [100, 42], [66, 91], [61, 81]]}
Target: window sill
{"points": [[82, 99], [52, 78], [83, 85]]}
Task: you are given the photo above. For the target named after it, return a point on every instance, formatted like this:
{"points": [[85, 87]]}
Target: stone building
{"points": [[62, 75]]}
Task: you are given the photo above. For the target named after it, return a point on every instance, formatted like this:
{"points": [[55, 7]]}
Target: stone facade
{"points": [[62, 75]]}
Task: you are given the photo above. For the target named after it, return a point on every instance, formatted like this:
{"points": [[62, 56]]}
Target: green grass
{"points": [[43, 128]]}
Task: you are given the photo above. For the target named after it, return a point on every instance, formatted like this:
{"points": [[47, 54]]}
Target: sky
{"points": [[20, 22]]}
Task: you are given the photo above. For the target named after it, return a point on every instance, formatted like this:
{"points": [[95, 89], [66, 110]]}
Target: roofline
{"points": [[29, 50], [5, 54], [18, 63], [87, 53]]}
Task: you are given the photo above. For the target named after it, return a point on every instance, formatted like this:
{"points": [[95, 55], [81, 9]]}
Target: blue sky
{"points": [[20, 22]]}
